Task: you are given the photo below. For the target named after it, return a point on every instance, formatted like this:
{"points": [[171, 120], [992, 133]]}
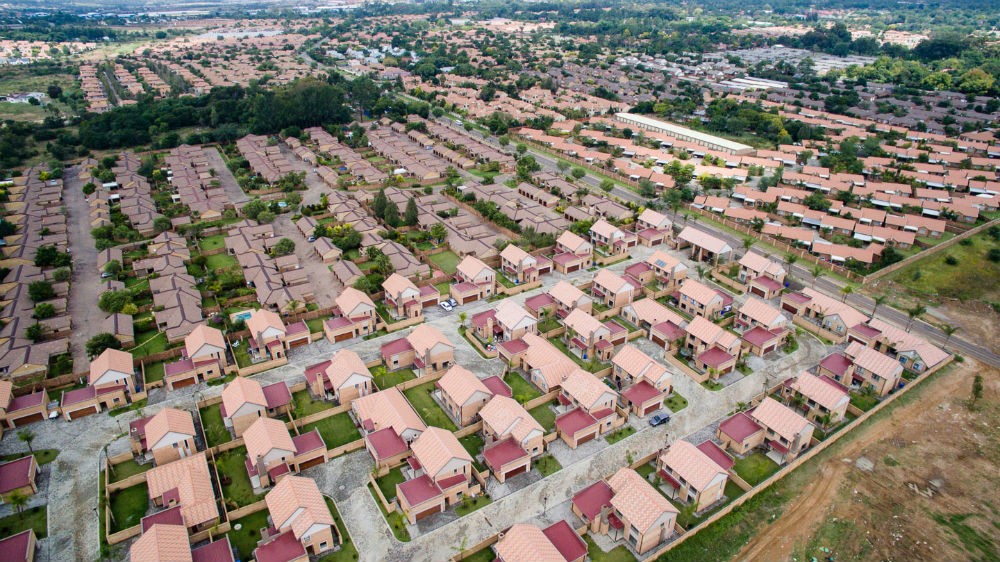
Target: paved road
{"points": [[86, 286], [230, 186]]}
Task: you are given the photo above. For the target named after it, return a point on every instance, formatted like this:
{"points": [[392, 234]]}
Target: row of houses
{"points": [[264, 158], [191, 176], [279, 282]]}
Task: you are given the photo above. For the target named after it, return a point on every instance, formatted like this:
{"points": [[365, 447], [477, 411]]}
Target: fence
{"points": [[817, 329], [241, 512], [517, 289]]}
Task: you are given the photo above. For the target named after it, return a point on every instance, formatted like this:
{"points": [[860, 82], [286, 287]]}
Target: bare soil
{"points": [[932, 494]]}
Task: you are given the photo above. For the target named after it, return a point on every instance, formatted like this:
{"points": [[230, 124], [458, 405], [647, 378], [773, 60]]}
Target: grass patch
{"points": [[446, 261], [128, 506], [547, 465], [429, 411], [216, 262], [444, 288], [714, 386], [863, 401], [545, 416], [395, 519], [42, 456], [548, 324], [336, 430], [473, 444], [150, 343], [387, 484], [137, 405], [213, 425], [155, 372], [591, 366], [484, 555], [347, 550], [616, 554], [210, 243], [245, 540], [306, 405], [619, 434], [973, 541], [467, 505], [521, 390], [127, 469], [35, 518], [755, 468], [236, 486], [676, 402], [971, 278], [387, 379], [625, 324], [315, 325]]}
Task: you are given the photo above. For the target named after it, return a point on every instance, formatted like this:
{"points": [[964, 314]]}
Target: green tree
{"points": [[44, 310], [253, 208], [283, 247], [438, 232], [977, 391], [392, 214], [18, 500], [89, 188], [34, 332], [914, 312], [411, 214], [113, 301], [379, 203], [113, 268], [607, 185], [49, 255], [578, 173], [26, 436], [41, 291], [162, 224], [97, 344]]}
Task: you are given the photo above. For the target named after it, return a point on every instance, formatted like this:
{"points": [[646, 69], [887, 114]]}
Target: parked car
{"points": [[311, 239], [453, 303], [446, 306], [105, 275], [659, 418]]}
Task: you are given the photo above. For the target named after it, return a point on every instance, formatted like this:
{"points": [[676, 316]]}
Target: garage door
{"points": [[298, 343], [768, 349], [311, 463], [427, 513], [343, 337], [29, 419], [789, 308], [572, 268], [650, 408], [472, 298], [758, 291], [659, 341], [519, 470], [82, 413], [430, 302], [587, 438], [183, 382]]}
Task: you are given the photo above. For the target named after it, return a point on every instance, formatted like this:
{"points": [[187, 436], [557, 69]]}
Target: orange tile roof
{"points": [[566, 293], [639, 365], [426, 336], [350, 298], [874, 361], [265, 434], [698, 292], [261, 319], [506, 416], [190, 477], [435, 448], [763, 313], [168, 420], [527, 543], [396, 285], [585, 388], [691, 464], [779, 418], [388, 408], [110, 360], [203, 335], [637, 500], [240, 391], [583, 323], [297, 502], [461, 384], [162, 543], [823, 393], [344, 364]]}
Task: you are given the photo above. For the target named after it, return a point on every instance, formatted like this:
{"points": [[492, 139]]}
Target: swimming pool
{"points": [[242, 315]]}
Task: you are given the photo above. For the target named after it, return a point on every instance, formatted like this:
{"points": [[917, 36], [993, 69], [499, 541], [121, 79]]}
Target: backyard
{"points": [[619, 434], [128, 506], [210, 243], [215, 429], [755, 468], [616, 554], [126, 469], [422, 401], [522, 390], [149, 343], [216, 262], [548, 324], [337, 430], [469, 505], [473, 444], [863, 401], [34, 518], [385, 379], [154, 372], [306, 405], [245, 539], [545, 416], [587, 364], [236, 486], [446, 261], [675, 402]]}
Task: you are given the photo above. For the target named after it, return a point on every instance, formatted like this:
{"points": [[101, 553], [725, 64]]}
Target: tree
{"points": [[844, 291], [411, 215], [379, 203], [253, 208], [40, 291], [162, 224], [26, 436], [44, 310], [266, 217], [949, 331], [438, 232], [89, 188], [562, 165], [113, 301], [578, 173], [879, 301], [977, 391], [748, 243], [817, 272], [607, 185], [284, 247], [392, 214], [113, 268], [18, 500], [49, 255], [54, 91], [914, 312], [97, 344], [34, 332], [521, 148], [461, 317]]}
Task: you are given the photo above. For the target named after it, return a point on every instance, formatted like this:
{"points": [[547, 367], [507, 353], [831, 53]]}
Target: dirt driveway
{"points": [[86, 287]]}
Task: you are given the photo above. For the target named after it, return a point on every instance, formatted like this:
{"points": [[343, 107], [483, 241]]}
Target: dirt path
{"points": [[778, 541]]}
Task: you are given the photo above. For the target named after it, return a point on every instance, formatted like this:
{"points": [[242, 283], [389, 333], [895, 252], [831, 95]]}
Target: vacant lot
{"points": [[446, 261]]}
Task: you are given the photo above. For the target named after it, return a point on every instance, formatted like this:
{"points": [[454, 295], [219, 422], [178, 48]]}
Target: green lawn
{"points": [[154, 372], [336, 430], [473, 444], [385, 379], [315, 325], [522, 390], [619, 434], [395, 519], [588, 365], [714, 386], [387, 483], [467, 506], [148, 343], [245, 540], [625, 324], [126, 469], [617, 554], [210, 243], [306, 405], [484, 555], [242, 354], [128, 506], [444, 287], [42, 456], [236, 487], [547, 465], [215, 429], [545, 416], [220, 261], [35, 518], [347, 551], [675, 402], [548, 324], [432, 414], [755, 468], [863, 401], [446, 261], [973, 277]]}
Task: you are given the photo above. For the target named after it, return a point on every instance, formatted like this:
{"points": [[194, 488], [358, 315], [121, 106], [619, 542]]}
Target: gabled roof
{"points": [[585, 388], [527, 543], [874, 361], [691, 464], [571, 241], [296, 502], [825, 392], [514, 254], [704, 240], [761, 265], [638, 364], [435, 448], [350, 298], [266, 434], [387, 408], [162, 543], [396, 284], [203, 335], [461, 384], [262, 319], [510, 314], [762, 312], [110, 360], [189, 479], [664, 261], [583, 323], [779, 418], [652, 312], [699, 292], [344, 364], [471, 266], [506, 416], [704, 330], [830, 306], [566, 293], [426, 336], [166, 421], [612, 281], [240, 391], [637, 500]]}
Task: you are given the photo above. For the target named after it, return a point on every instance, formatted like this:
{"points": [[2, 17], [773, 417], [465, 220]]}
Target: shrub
{"points": [[951, 260], [993, 255]]}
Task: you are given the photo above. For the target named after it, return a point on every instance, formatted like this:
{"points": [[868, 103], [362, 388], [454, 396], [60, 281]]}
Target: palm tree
{"points": [[27, 436], [790, 259], [948, 330], [701, 271], [913, 313], [879, 301], [461, 317], [845, 290], [748, 243], [817, 272], [18, 500]]}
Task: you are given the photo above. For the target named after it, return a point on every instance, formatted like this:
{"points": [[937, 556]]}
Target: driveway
{"points": [[85, 289], [234, 193], [325, 286]]}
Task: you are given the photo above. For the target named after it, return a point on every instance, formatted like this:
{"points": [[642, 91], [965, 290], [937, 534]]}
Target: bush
{"points": [[41, 291], [951, 260], [114, 301], [44, 310], [993, 255]]}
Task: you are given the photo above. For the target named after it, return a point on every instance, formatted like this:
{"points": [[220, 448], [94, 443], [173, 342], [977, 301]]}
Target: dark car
{"points": [[659, 418]]}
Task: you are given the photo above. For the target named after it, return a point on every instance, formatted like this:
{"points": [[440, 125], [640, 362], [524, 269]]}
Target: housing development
{"points": [[525, 283]]}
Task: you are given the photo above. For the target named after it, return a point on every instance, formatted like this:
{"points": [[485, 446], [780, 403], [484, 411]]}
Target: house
{"points": [[669, 271], [168, 542], [567, 298], [713, 349], [610, 239], [612, 290], [441, 471], [589, 408], [698, 299], [326, 251], [18, 477], [653, 228], [354, 316], [545, 365], [572, 253], [204, 359], [16, 411], [21, 547], [587, 337], [297, 507], [508, 321], [121, 327], [88, 400], [764, 278], [168, 435], [112, 369], [915, 353], [871, 369], [187, 484], [402, 297], [704, 246], [344, 377], [663, 326], [519, 266], [763, 327], [245, 400], [692, 476], [646, 517], [463, 394], [817, 310], [425, 349], [822, 399], [269, 335], [778, 428], [645, 382], [528, 543], [272, 452], [389, 424], [511, 436], [474, 280]]}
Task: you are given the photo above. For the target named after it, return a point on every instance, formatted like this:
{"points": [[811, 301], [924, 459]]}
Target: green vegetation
{"points": [[213, 425], [473, 444], [387, 484], [315, 325], [385, 379], [128, 506], [336, 430], [521, 390], [347, 551], [155, 372], [134, 406], [588, 365], [755, 468], [863, 401], [548, 324], [124, 470], [545, 416], [971, 278], [245, 540], [446, 261], [468, 505], [34, 518], [236, 486], [422, 401], [676, 402], [216, 262], [714, 386], [395, 519], [980, 546], [484, 555], [210, 243], [149, 343], [42, 456], [547, 465], [619, 434], [305, 405], [616, 554]]}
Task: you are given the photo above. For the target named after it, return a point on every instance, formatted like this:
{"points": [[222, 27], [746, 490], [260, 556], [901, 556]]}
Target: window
{"points": [[323, 545]]}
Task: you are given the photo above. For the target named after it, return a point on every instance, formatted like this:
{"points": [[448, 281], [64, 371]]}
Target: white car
{"points": [[446, 306]]}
